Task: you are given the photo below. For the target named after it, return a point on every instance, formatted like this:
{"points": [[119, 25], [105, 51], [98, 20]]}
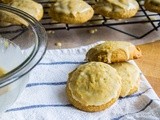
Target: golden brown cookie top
{"points": [[155, 2], [118, 5], [71, 6], [113, 51], [94, 83], [129, 74], [29, 6]]}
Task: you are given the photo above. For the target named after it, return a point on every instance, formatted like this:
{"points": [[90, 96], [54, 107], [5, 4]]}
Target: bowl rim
{"points": [[37, 53]]}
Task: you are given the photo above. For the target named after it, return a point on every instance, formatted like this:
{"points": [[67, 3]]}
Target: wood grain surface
{"points": [[150, 64]]}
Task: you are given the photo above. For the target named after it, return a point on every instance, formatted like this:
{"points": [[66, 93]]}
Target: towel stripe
{"points": [[148, 104], [61, 63], [38, 106], [69, 105], [41, 84], [65, 82]]}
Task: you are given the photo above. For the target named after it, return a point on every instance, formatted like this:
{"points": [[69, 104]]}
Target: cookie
{"points": [[152, 5], [93, 86], [28, 6], [6, 1], [113, 51], [71, 11], [117, 9], [130, 77]]}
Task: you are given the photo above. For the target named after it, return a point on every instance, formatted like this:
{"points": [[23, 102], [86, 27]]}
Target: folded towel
{"points": [[44, 97]]}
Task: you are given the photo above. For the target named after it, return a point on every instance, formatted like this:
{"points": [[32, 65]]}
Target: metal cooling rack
{"points": [[142, 17]]}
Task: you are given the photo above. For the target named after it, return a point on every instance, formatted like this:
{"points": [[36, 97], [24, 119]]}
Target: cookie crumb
{"points": [[93, 31], [50, 32], [58, 44]]}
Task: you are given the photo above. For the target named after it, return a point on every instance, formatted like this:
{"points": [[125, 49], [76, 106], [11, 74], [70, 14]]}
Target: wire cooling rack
{"points": [[142, 17]]}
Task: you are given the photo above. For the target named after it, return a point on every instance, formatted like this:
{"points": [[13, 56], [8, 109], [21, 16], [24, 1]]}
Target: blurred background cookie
{"points": [[130, 77], [113, 51], [93, 86], [117, 9], [71, 11], [6, 1], [152, 5], [28, 6]]}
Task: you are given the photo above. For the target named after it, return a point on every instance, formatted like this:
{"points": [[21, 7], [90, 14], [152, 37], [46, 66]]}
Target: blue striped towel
{"points": [[44, 97]]}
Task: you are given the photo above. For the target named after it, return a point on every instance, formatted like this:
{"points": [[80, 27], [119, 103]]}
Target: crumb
{"points": [[93, 31], [58, 44], [50, 32]]}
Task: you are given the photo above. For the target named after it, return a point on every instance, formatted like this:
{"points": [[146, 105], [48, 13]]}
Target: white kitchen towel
{"points": [[44, 97]]}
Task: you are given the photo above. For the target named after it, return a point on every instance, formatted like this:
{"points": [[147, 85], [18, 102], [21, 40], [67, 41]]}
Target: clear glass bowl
{"points": [[22, 45]]}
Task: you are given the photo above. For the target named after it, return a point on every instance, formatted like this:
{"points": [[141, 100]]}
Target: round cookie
{"points": [[117, 9], [130, 77], [93, 86], [113, 51], [71, 11], [152, 5], [28, 6]]}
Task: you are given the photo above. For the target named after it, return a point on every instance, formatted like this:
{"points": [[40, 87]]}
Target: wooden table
{"points": [[150, 64]]}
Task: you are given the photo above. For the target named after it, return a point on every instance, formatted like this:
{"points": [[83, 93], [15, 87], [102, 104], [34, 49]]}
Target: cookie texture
{"points": [[71, 11], [152, 5], [28, 6], [5, 1], [93, 86], [113, 51], [117, 9], [130, 77]]}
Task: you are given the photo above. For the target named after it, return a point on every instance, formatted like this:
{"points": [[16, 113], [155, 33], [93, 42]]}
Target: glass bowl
{"points": [[22, 45]]}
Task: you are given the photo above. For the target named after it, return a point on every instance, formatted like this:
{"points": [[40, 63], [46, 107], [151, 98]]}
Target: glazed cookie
{"points": [[152, 5], [130, 77], [113, 51], [93, 86], [28, 6], [71, 11], [117, 9]]}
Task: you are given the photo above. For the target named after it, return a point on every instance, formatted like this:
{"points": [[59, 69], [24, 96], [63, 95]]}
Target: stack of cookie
{"points": [[73, 11], [79, 11], [106, 76]]}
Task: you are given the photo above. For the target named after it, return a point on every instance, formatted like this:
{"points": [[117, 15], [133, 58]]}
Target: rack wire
{"points": [[142, 17]]}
